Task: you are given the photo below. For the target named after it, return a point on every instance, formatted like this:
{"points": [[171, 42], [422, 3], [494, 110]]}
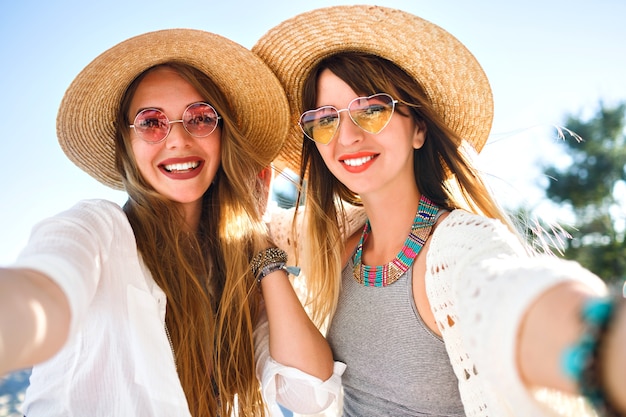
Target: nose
{"points": [[178, 136], [347, 132]]}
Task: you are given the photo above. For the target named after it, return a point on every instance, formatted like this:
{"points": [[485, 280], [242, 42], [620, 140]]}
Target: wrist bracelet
{"points": [[268, 261], [269, 268], [581, 361], [266, 257]]}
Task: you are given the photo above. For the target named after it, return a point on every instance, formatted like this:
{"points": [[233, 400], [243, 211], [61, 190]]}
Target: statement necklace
{"points": [[383, 275]]}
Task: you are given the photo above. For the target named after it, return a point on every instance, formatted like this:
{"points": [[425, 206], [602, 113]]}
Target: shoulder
{"points": [[281, 221], [95, 209], [280, 225], [354, 219], [471, 226], [464, 232], [460, 217], [95, 217], [99, 206]]}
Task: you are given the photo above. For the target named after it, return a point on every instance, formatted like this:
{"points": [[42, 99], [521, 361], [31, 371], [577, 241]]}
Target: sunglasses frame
{"points": [[170, 122], [392, 103]]}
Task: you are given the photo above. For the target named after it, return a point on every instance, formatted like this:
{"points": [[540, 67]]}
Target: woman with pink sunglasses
{"points": [[177, 303]]}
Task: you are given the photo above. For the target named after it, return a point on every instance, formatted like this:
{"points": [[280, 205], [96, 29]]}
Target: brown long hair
{"points": [[212, 301], [442, 171]]}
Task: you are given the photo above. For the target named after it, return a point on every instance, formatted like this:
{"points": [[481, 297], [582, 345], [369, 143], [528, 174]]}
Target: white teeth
{"points": [[357, 161], [185, 166]]}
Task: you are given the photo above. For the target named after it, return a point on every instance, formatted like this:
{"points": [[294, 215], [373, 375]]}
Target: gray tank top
{"points": [[396, 366]]}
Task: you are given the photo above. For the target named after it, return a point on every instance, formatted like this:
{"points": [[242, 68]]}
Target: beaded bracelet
{"points": [[269, 268], [581, 361], [268, 261]]}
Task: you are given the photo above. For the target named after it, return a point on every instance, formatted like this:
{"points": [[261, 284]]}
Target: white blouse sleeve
{"points": [[481, 281], [293, 389], [71, 248]]}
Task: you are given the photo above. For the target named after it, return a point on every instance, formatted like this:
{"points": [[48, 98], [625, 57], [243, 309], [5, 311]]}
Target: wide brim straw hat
{"points": [[87, 115], [451, 76]]}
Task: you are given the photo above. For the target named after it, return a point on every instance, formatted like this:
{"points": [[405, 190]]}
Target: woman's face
{"points": [[181, 167], [367, 163]]}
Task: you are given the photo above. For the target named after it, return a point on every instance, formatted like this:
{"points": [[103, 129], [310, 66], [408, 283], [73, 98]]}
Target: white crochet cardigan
{"points": [[480, 281]]}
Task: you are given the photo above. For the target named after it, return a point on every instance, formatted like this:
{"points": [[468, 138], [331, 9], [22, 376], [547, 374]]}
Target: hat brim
{"points": [[86, 118], [451, 76]]}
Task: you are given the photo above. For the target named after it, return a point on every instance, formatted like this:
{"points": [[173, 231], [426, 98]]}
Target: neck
{"points": [[391, 218], [192, 212]]}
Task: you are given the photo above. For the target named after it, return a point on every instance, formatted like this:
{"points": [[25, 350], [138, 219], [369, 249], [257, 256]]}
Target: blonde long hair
{"points": [[442, 172], [212, 301]]}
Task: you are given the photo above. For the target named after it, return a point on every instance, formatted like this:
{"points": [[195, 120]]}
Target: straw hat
{"points": [[451, 76], [86, 118]]}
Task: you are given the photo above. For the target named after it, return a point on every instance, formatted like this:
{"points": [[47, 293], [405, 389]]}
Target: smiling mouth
{"points": [[181, 167], [355, 162]]}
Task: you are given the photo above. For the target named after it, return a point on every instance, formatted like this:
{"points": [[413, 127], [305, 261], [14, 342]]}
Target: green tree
{"points": [[589, 184]]}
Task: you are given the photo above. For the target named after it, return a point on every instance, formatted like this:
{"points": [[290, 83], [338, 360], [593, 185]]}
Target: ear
{"points": [[419, 135], [266, 176], [262, 187]]}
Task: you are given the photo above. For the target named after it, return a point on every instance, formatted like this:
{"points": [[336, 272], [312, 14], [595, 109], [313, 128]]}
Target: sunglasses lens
{"points": [[200, 119], [321, 124], [372, 113], [151, 125]]}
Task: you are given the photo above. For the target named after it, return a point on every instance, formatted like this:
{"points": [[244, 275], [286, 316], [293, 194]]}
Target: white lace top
{"points": [[480, 281]]}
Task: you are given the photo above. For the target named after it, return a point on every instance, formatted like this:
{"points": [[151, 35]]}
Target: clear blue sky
{"points": [[544, 58]]}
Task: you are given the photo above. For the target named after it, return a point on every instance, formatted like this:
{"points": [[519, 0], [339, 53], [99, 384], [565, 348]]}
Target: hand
{"points": [[34, 318]]}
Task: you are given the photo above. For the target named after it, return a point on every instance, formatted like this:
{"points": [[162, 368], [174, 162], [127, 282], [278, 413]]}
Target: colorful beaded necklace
{"points": [[383, 275]]}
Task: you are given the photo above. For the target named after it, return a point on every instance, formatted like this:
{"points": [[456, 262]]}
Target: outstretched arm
{"points": [[513, 315], [552, 325], [34, 318]]}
